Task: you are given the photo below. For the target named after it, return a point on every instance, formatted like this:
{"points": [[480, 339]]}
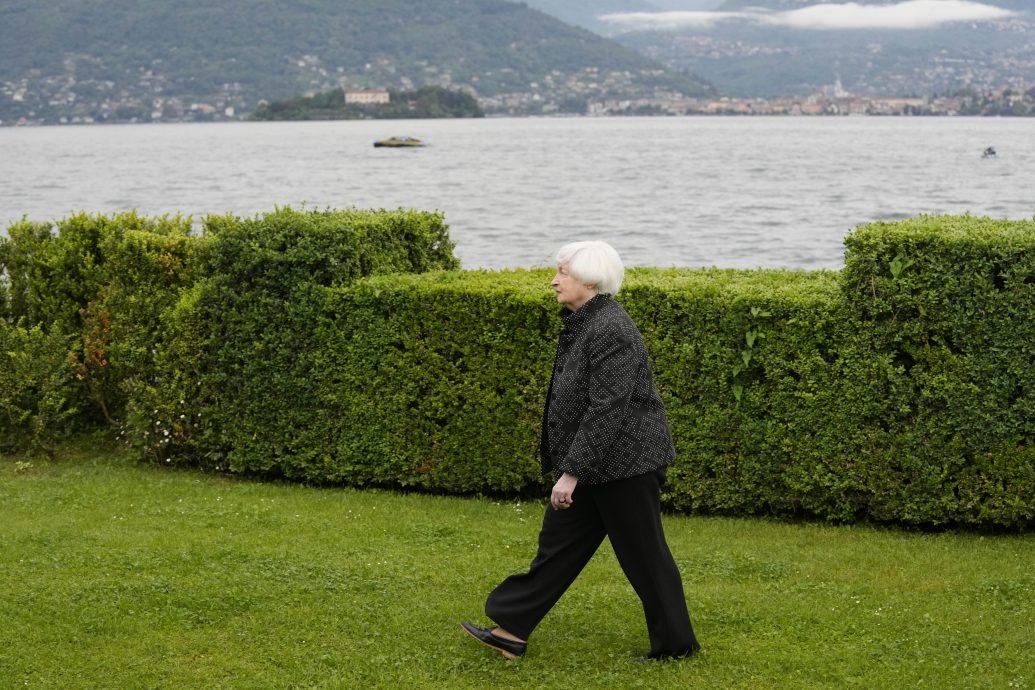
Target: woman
{"points": [[606, 440]]}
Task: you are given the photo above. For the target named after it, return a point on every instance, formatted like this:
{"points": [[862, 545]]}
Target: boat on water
{"points": [[398, 142], [989, 153]]}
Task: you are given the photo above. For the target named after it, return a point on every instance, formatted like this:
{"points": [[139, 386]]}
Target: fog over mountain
{"points": [[686, 4], [911, 14], [588, 13], [799, 47]]}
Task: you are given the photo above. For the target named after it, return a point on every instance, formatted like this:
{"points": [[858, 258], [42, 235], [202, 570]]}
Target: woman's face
{"points": [[570, 292]]}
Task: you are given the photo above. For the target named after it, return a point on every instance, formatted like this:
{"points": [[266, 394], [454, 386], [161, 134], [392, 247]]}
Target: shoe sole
{"points": [[506, 655]]}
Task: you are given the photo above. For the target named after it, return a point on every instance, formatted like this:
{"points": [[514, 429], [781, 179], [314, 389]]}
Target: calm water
{"points": [[734, 192]]}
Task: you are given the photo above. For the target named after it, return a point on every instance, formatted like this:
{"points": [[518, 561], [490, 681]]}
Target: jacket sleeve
{"points": [[613, 367]]}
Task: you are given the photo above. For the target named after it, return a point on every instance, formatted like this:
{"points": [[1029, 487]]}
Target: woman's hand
{"points": [[560, 497]]}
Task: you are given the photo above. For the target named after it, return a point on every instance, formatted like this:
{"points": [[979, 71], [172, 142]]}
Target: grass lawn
{"points": [[114, 575]]}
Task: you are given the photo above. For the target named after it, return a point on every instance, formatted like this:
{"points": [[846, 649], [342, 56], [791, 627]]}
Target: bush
{"points": [[739, 357], [233, 384], [895, 391], [54, 271], [99, 284], [305, 344], [22, 254], [37, 389], [435, 381], [148, 271], [946, 304], [439, 380]]}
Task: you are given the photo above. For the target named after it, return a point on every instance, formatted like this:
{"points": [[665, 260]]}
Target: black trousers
{"points": [[628, 512]]}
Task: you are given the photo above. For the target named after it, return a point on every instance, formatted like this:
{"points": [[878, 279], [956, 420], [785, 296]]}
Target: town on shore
{"points": [[1008, 102], [1017, 100]]}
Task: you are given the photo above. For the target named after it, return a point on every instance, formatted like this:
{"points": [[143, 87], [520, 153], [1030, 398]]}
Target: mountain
{"points": [[764, 48], [89, 60]]}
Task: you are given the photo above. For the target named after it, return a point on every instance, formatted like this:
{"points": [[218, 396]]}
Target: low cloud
{"points": [[916, 14], [639, 21], [912, 14]]}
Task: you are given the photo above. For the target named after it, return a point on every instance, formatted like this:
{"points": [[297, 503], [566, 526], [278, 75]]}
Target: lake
{"points": [[693, 191]]}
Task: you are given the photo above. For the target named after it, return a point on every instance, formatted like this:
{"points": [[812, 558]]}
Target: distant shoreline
{"points": [[503, 116]]}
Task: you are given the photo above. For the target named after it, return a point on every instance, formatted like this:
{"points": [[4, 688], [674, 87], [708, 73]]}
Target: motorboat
{"points": [[398, 142], [989, 153]]}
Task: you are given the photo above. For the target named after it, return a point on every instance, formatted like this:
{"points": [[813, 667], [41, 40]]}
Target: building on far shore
{"points": [[367, 96]]}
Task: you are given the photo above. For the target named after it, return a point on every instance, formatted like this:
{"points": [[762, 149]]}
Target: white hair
{"points": [[593, 263]]}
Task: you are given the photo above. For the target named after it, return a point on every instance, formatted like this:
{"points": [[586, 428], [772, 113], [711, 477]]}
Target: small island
{"points": [[373, 104]]}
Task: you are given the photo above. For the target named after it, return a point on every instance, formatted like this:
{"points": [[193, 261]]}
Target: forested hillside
{"points": [[122, 59]]}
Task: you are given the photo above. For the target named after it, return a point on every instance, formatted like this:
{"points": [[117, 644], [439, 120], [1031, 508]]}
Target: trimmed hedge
{"points": [[948, 304], [739, 358], [88, 290], [788, 393], [436, 381], [453, 369], [37, 389], [120, 304], [232, 382], [303, 344]]}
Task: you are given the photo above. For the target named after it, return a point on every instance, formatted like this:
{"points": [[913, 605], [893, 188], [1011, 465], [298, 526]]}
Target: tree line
{"points": [[424, 103]]}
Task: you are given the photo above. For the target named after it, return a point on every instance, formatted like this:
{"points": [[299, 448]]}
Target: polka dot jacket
{"points": [[603, 419]]}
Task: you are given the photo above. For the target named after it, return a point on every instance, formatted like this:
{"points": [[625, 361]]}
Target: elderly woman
{"points": [[606, 440]]}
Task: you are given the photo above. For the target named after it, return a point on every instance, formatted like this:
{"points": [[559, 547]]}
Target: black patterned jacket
{"points": [[603, 418]]}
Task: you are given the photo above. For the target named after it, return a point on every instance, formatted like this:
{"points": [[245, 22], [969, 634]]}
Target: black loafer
{"points": [[508, 648]]}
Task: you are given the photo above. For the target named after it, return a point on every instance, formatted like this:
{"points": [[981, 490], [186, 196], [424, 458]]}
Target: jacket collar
{"points": [[575, 320]]}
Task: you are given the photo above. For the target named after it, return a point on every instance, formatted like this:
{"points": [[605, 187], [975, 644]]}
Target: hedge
{"points": [[345, 347], [37, 389], [103, 304], [232, 382], [789, 393], [85, 296], [948, 303], [436, 381], [453, 369]]}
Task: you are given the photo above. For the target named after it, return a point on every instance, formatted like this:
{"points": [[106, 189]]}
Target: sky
{"points": [[910, 14]]}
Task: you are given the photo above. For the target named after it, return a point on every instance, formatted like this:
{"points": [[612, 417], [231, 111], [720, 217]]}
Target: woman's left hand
{"points": [[560, 497]]}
